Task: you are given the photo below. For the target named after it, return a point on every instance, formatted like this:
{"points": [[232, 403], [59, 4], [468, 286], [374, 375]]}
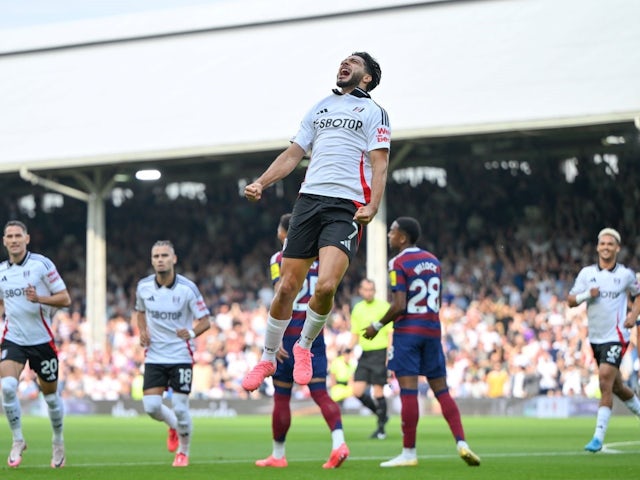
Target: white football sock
{"points": [[312, 327]]}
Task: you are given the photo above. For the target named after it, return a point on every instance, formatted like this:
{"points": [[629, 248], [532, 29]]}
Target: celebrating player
{"points": [[349, 136], [283, 378], [605, 286]]}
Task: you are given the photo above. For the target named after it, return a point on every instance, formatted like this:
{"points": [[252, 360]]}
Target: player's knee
{"points": [[180, 404], [9, 388], [288, 290], [358, 390], [52, 400], [153, 405], [325, 290], [620, 390]]}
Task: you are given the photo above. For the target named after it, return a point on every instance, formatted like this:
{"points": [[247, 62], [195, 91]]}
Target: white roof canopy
{"points": [[240, 75]]}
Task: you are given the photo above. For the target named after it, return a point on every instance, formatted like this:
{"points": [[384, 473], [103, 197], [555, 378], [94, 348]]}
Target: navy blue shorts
{"points": [[412, 355]]}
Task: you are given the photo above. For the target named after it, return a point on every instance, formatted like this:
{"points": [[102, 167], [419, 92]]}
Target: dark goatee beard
{"points": [[354, 81], [348, 84]]}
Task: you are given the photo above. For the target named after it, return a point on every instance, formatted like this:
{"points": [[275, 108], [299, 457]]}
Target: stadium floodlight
{"points": [[148, 175], [613, 140]]}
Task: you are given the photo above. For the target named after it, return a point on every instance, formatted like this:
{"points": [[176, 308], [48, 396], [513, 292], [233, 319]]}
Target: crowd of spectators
{"points": [[508, 263]]}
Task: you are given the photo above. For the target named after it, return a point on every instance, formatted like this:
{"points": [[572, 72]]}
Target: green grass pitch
{"points": [[101, 447]]}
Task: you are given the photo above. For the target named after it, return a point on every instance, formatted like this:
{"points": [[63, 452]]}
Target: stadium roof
{"points": [[233, 79]]}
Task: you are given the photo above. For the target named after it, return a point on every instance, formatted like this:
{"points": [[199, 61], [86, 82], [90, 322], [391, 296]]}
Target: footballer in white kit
{"points": [[170, 313], [168, 309], [26, 322], [31, 290], [348, 137], [607, 312], [606, 286], [340, 131]]}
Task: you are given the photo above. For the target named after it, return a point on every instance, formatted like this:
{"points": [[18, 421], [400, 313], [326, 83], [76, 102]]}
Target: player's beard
{"points": [[164, 272], [352, 82]]}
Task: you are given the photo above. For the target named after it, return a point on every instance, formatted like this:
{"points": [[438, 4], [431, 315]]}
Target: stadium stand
{"points": [[507, 264]]}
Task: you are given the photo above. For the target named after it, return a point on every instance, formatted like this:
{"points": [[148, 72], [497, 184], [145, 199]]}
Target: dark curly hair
{"points": [[373, 69]]}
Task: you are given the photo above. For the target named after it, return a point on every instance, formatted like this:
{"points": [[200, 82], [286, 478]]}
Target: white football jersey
{"points": [[340, 131], [168, 309], [606, 313], [28, 323]]}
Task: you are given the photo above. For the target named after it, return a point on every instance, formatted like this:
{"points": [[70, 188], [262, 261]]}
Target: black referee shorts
{"points": [[372, 367]]}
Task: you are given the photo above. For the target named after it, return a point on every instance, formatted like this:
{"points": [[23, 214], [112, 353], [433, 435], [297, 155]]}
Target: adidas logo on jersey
{"points": [[4, 279], [324, 110], [151, 299]]}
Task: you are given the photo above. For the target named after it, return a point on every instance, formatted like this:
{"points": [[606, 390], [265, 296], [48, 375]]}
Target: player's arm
{"points": [[140, 318], [282, 166], [583, 293], [398, 305], [634, 313], [200, 326], [58, 300], [578, 298], [379, 164]]}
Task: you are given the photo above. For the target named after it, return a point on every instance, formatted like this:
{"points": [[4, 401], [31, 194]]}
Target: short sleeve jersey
{"points": [[294, 329], [169, 309], [363, 314], [28, 323], [416, 272], [606, 313], [340, 131]]}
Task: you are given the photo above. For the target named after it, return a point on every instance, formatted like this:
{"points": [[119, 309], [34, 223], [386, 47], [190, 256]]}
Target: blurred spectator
{"points": [[501, 282], [497, 381], [203, 376], [340, 378]]}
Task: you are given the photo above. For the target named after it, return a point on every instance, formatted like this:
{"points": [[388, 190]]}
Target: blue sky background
{"points": [[24, 13]]}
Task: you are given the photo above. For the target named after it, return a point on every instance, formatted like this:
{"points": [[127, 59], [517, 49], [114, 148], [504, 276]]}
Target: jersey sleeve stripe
{"points": [[42, 259], [384, 117], [189, 284]]}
